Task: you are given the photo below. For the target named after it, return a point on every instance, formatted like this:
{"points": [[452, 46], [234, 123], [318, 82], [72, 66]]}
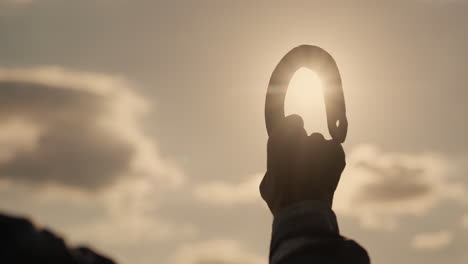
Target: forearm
{"points": [[307, 232]]}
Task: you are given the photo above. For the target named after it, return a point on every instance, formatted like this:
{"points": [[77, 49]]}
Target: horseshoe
{"points": [[324, 65]]}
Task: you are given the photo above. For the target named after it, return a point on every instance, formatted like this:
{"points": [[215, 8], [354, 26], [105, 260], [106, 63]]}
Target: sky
{"points": [[137, 127]]}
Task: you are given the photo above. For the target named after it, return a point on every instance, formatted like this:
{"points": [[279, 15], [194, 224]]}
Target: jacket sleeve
{"points": [[308, 232]]}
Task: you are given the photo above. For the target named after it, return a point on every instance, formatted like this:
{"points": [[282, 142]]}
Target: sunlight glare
{"points": [[305, 98]]}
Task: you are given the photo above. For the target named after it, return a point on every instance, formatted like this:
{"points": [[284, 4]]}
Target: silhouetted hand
{"points": [[300, 167]]}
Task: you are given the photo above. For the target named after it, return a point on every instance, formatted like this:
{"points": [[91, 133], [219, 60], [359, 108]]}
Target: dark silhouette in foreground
{"points": [[22, 242], [302, 175]]}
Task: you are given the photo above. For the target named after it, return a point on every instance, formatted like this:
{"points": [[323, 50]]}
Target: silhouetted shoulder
{"points": [[22, 242]]}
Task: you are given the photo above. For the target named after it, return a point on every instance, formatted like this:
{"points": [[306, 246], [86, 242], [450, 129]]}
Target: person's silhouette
{"points": [[302, 175], [21, 242]]}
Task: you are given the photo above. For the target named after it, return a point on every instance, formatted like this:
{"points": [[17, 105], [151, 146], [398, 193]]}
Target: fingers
{"points": [[316, 143], [294, 121], [338, 147], [284, 146], [318, 146], [335, 149], [263, 187], [316, 138], [292, 125]]}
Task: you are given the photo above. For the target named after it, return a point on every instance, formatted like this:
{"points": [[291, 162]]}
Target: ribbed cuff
{"points": [[305, 219]]}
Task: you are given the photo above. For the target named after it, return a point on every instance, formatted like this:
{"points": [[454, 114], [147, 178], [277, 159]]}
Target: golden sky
{"points": [[138, 127]]}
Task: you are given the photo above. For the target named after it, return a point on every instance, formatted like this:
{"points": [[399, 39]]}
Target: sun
{"points": [[305, 98]]}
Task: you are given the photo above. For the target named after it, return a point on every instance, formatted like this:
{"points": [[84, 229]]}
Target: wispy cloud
{"points": [[73, 142], [432, 241], [377, 187], [215, 251], [441, 1], [224, 193], [464, 221], [76, 129], [19, 2]]}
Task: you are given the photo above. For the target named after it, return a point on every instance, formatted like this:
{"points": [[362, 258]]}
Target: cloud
{"points": [[17, 136], [224, 193], [75, 129], [126, 216], [464, 221], [441, 1], [378, 187], [215, 252], [431, 241], [18, 2], [74, 155]]}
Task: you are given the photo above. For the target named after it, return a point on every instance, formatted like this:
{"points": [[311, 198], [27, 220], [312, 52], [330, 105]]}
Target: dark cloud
{"points": [[46, 103], [71, 149], [75, 129], [394, 183], [378, 187]]}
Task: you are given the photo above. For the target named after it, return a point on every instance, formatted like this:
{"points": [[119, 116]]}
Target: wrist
{"points": [[322, 202], [310, 218]]}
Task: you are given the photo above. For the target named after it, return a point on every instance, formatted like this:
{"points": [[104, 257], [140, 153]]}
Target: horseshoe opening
{"points": [[305, 98], [322, 62]]}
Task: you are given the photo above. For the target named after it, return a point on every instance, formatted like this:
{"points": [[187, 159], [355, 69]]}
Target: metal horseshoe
{"points": [[324, 65]]}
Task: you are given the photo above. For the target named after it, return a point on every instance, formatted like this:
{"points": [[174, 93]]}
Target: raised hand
{"points": [[300, 167]]}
